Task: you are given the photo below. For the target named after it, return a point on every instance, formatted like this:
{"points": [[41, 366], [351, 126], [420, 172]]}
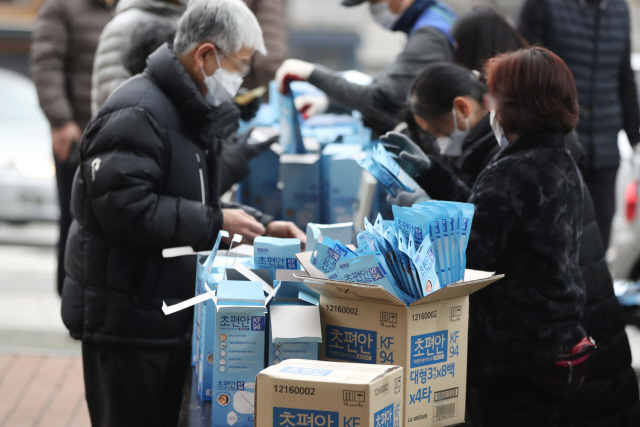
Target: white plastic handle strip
{"points": [[184, 304]]}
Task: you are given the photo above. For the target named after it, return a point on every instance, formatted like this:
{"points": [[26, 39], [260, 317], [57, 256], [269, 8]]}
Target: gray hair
{"points": [[229, 24]]}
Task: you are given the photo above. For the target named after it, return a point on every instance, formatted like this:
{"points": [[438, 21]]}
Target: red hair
{"points": [[534, 90]]}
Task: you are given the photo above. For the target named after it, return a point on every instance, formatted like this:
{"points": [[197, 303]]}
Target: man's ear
{"points": [[202, 52]]}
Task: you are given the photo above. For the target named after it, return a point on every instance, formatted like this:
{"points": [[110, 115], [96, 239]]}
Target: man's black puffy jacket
{"points": [[146, 181]]}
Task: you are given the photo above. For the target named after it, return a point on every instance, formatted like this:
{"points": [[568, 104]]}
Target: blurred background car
{"points": [[27, 172], [623, 255]]}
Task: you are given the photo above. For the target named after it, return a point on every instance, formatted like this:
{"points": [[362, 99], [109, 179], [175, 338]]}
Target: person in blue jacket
{"points": [[427, 24]]}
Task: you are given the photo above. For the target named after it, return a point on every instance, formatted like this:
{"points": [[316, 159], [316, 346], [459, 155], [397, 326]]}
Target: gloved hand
{"points": [[293, 69], [250, 147], [395, 142], [404, 198], [310, 105], [249, 110], [414, 164]]}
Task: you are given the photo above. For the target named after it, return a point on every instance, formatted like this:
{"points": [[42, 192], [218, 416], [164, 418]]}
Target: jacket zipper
{"points": [[201, 177]]}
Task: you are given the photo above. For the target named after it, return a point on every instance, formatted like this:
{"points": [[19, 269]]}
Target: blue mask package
{"points": [[274, 254], [367, 269], [379, 173], [400, 177], [467, 210], [424, 261], [455, 215], [439, 214], [290, 134], [324, 258], [449, 232]]}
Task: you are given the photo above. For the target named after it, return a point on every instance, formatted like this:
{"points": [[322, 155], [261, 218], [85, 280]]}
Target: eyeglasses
{"points": [[240, 67]]}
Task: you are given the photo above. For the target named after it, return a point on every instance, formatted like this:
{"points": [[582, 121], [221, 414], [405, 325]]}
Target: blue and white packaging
{"points": [[341, 181], [290, 133], [299, 393], [324, 258], [260, 189], [401, 178], [317, 232], [273, 254], [240, 334], [468, 210], [300, 178], [294, 323]]}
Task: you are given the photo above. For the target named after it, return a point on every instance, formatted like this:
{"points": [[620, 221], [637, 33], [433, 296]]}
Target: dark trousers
{"points": [[64, 179], [518, 402], [134, 387], [602, 186]]}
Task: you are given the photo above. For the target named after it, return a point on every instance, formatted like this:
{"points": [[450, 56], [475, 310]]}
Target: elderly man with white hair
{"points": [[147, 180]]}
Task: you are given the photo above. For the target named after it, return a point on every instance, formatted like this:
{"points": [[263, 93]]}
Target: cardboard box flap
{"points": [[329, 372], [459, 289], [305, 260], [300, 323], [349, 290]]}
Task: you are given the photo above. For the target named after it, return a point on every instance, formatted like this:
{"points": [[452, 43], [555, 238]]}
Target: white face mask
{"points": [[452, 145], [383, 16], [497, 130], [221, 85]]}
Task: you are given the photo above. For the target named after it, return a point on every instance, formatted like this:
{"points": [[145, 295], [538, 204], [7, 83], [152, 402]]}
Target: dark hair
{"points": [[534, 91], [145, 39], [434, 90], [481, 34]]}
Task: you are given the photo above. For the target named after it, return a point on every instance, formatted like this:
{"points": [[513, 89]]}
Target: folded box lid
{"points": [[475, 280], [295, 323], [327, 372], [236, 292]]}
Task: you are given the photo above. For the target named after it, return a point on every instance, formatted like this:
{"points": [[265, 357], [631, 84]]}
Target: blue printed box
{"points": [[299, 393], [297, 339], [366, 324], [239, 342]]}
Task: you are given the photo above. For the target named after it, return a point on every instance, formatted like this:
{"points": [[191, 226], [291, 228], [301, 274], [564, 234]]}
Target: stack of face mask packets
{"points": [[387, 171], [420, 251]]}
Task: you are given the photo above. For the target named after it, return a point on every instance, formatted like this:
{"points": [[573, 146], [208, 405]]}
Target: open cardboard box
{"points": [[366, 324]]}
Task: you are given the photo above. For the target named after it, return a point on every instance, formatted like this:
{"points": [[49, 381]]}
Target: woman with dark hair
{"points": [[447, 102], [527, 225], [481, 34]]}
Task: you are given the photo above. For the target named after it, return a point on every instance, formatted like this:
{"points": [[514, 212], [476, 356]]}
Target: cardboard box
{"points": [[327, 394], [239, 351], [294, 323], [301, 196], [366, 324]]}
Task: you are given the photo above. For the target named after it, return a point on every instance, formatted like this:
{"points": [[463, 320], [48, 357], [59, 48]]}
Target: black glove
{"points": [[250, 147], [248, 111], [225, 119]]}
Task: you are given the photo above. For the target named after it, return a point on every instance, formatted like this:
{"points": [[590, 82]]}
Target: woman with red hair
{"points": [[527, 225]]}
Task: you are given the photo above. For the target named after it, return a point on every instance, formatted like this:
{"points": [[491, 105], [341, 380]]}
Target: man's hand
{"points": [[237, 221], [62, 138], [293, 69], [286, 230]]}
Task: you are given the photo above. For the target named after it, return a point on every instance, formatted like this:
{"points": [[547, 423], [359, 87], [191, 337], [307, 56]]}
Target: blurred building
{"points": [[16, 23], [319, 31]]}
